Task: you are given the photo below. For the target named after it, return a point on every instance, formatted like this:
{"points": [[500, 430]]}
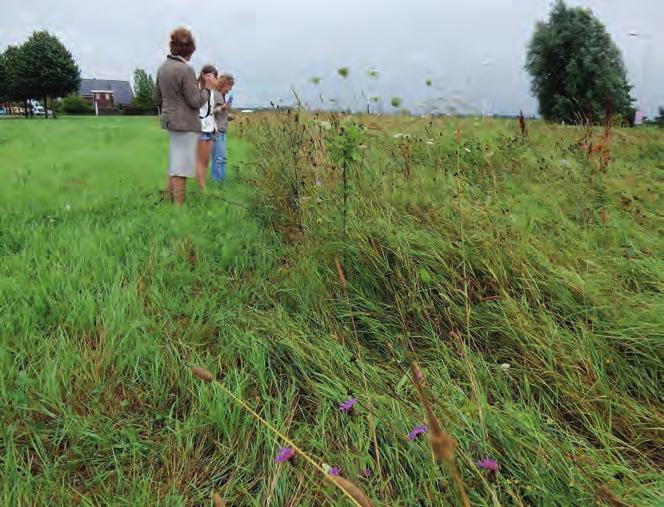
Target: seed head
{"points": [[202, 373]]}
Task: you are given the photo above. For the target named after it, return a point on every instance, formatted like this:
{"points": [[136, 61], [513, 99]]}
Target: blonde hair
{"points": [[226, 78]]}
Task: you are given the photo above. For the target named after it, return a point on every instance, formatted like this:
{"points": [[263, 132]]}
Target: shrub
{"points": [[73, 104], [139, 109]]}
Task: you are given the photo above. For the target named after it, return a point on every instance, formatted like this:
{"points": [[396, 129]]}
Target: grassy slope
{"points": [[107, 299]]}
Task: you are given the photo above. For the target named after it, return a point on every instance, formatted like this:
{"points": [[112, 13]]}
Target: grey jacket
{"points": [[177, 94], [220, 117]]}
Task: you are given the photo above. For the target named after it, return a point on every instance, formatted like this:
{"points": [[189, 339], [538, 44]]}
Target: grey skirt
{"points": [[182, 153]]}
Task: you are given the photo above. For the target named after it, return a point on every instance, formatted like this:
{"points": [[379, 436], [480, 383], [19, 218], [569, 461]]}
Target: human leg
{"points": [[179, 184], [218, 166], [182, 163], [203, 152]]}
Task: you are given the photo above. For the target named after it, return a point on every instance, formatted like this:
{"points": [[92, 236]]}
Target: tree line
{"points": [[40, 68]]}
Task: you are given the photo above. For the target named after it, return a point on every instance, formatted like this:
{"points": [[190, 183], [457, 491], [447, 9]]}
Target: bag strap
{"points": [[208, 104]]}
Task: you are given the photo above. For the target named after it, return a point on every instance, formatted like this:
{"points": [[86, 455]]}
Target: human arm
{"points": [[193, 95], [156, 92]]}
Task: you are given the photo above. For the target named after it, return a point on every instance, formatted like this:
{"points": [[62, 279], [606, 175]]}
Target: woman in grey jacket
{"points": [[178, 95]]}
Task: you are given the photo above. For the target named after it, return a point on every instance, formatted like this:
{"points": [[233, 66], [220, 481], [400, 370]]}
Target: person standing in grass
{"points": [[208, 129], [221, 116], [180, 98]]}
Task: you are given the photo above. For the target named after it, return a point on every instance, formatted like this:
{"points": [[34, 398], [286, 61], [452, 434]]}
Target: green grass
{"points": [[108, 297]]}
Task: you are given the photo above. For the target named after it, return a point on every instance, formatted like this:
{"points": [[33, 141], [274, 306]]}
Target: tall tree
{"points": [[50, 69], [576, 68], [14, 85], [4, 82], [143, 88]]}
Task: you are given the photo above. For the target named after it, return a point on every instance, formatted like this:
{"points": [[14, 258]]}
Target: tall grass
{"points": [[460, 230], [108, 297]]}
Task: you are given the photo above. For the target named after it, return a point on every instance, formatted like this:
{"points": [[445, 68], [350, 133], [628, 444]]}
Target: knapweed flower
{"points": [[417, 431], [285, 454], [488, 465], [347, 406], [366, 472], [336, 471]]}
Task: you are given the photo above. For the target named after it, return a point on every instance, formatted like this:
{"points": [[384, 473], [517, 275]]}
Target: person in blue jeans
{"points": [[222, 107]]}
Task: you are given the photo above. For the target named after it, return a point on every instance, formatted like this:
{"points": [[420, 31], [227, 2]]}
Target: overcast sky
{"points": [[472, 50]]}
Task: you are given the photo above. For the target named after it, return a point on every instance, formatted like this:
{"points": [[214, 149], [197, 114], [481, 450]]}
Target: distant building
{"points": [[106, 93], [639, 117]]}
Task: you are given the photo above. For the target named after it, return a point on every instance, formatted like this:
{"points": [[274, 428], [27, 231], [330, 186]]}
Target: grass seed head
{"points": [[609, 497], [217, 501], [443, 444], [202, 373], [358, 495]]}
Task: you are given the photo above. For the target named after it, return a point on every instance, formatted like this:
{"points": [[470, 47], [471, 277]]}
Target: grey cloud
{"points": [[473, 50]]}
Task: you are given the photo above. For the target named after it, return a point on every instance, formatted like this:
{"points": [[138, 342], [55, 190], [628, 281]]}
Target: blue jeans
{"points": [[218, 163]]}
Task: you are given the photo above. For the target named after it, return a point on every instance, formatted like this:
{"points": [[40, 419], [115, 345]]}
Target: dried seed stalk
{"points": [[443, 445]]}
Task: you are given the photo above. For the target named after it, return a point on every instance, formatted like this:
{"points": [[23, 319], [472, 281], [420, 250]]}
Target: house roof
{"points": [[122, 92]]}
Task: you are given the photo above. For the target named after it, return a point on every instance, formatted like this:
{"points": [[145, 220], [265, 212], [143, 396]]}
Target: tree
{"points": [[143, 89], [12, 61], [14, 87], [577, 71], [4, 82], [142, 103], [49, 69]]}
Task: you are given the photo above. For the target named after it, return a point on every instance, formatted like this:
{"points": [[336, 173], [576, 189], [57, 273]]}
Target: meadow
{"points": [[520, 275]]}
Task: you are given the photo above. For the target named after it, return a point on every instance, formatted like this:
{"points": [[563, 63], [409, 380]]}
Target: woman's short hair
{"points": [[206, 69], [182, 43], [209, 69]]}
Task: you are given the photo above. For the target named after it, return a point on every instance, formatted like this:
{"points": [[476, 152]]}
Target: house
{"points": [[106, 93]]}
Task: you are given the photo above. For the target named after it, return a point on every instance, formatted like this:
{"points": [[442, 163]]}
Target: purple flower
{"points": [[347, 405], [417, 431], [336, 471], [285, 454], [366, 472], [489, 465]]}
